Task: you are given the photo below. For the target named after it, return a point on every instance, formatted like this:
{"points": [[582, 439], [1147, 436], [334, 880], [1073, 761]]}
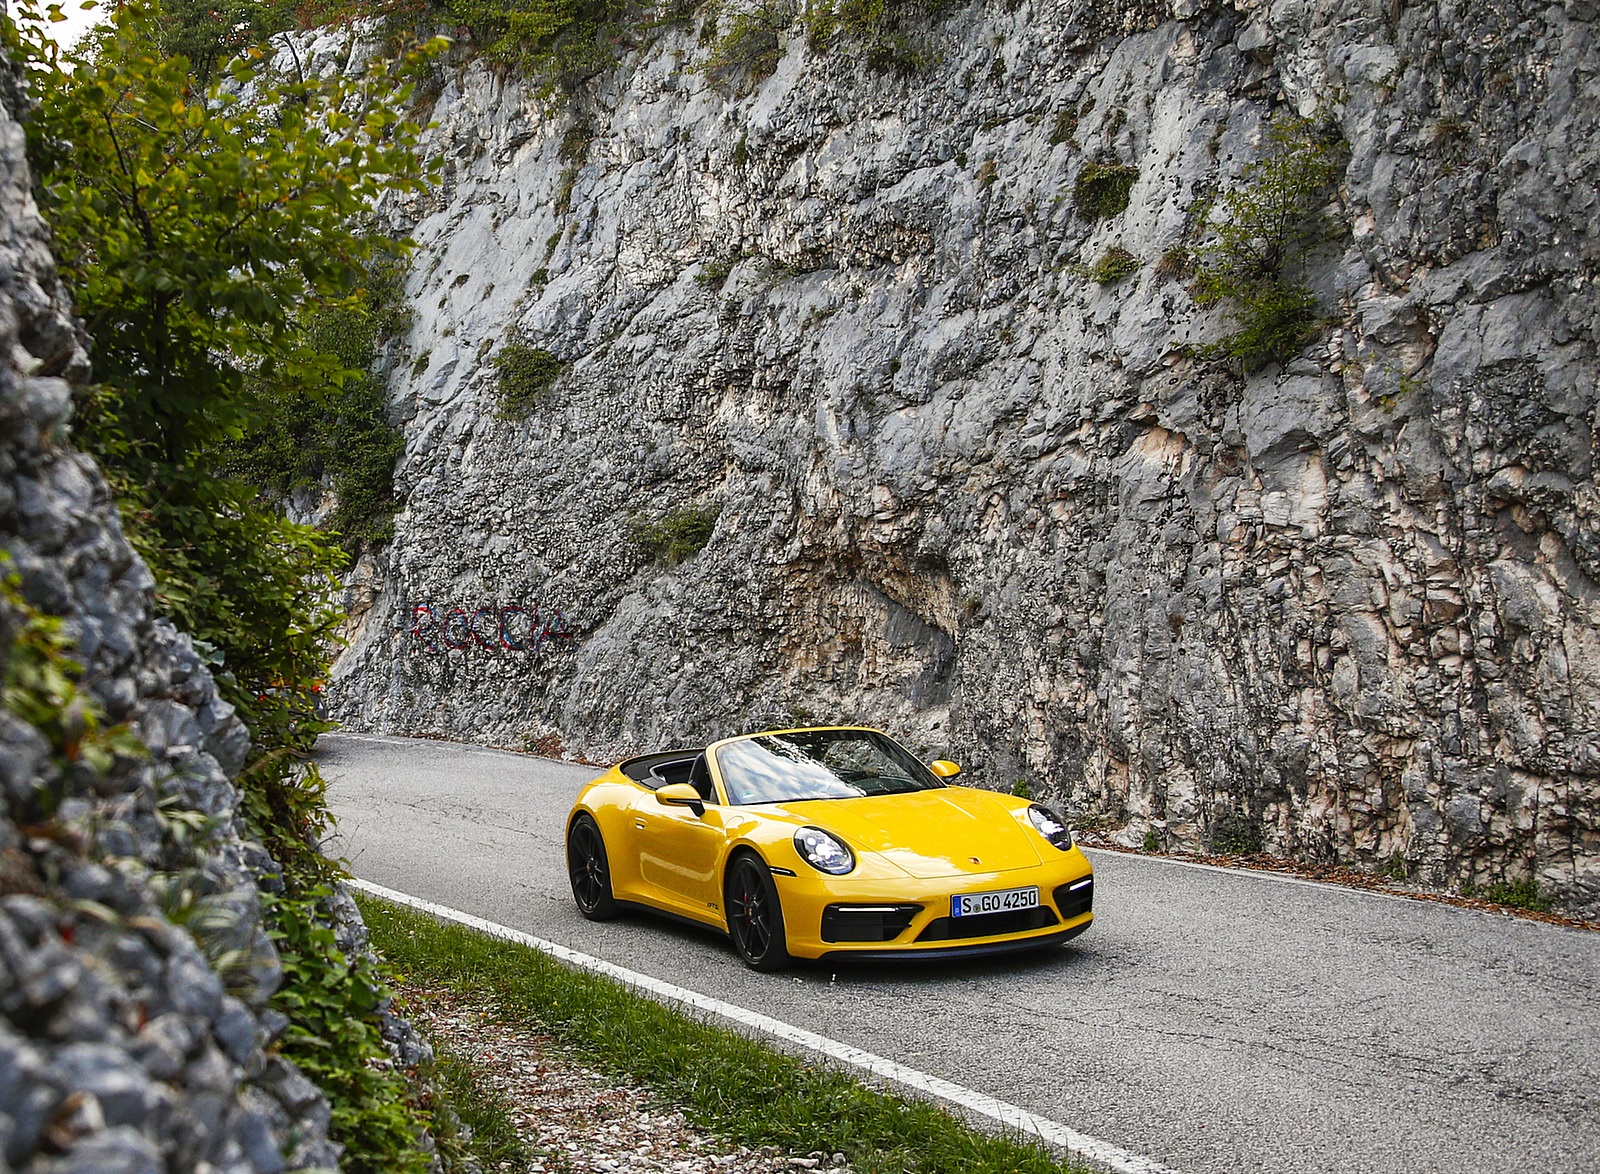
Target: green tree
{"points": [[1261, 233], [210, 222], [203, 229]]}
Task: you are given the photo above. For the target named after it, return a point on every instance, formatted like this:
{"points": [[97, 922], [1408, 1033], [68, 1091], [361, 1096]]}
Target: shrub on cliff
{"points": [[1102, 189], [523, 374], [561, 41], [747, 46], [677, 535], [1261, 234]]}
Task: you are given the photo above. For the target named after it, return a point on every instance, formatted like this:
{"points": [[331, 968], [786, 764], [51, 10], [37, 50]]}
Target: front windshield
{"points": [[819, 764]]}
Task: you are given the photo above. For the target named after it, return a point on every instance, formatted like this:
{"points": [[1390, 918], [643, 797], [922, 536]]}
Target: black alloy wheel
{"points": [[755, 919], [588, 870]]}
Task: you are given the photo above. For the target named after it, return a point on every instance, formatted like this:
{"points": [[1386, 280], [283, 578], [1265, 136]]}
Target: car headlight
{"points": [[824, 851], [1050, 825]]}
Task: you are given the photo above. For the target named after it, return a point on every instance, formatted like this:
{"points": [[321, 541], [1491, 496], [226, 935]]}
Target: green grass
{"points": [[477, 1130], [729, 1084]]}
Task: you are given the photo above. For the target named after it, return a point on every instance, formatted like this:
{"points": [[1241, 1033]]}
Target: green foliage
{"points": [[1152, 840], [1102, 189], [1234, 832], [211, 33], [332, 1001], [1275, 320], [747, 46], [336, 430], [892, 35], [1396, 867], [905, 55], [1261, 233], [727, 1082], [1114, 264], [1522, 894], [194, 227], [562, 42], [215, 247], [523, 374], [678, 535], [41, 688], [1021, 789]]}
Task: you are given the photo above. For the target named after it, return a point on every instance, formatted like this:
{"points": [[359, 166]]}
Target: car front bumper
{"points": [[813, 905]]}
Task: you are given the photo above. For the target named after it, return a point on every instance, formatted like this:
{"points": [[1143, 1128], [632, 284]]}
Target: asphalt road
{"points": [[1210, 1020]]}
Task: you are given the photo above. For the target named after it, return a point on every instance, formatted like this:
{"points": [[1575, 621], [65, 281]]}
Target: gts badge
{"points": [[713, 905]]}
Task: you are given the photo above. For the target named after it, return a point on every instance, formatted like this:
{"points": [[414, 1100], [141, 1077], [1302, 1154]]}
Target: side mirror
{"points": [[681, 795], [944, 768]]}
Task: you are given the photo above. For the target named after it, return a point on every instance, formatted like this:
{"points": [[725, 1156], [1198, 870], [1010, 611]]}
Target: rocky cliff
{"points": [[970, 488], [122, 1048]]}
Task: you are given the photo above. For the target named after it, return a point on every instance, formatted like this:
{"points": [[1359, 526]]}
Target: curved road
{"points": [[1212, 1021]]}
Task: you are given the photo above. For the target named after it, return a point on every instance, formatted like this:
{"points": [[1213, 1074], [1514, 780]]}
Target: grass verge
{"points": [[725, 1082], [478, 1132]]}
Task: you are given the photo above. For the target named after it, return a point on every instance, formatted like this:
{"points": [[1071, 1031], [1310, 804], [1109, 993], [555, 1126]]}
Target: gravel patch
{"points": [[576, 1120]]}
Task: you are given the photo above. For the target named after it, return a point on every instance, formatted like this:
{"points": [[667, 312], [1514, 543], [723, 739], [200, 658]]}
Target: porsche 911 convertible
{"points": [[823, 843]]}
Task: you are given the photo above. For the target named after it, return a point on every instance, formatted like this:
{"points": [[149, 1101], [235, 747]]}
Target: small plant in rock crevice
{"points": [[1521, 894], [1114, 264], [41, 687], [1234, 832], [892, 36], [524, 374], [1102, 190], [1176, 264], [678, 535]]}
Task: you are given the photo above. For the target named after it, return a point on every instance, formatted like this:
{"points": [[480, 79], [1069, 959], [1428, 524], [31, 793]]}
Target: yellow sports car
{"points": [[826, 842]]}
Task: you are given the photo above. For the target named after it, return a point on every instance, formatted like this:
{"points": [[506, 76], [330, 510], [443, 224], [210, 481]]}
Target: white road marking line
{"points": [[1267, 874], [1255, 873], [1050, 1132]]}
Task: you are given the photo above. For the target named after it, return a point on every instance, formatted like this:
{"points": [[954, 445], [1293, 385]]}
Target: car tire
{"points": [[589, 870], [755, 916]]}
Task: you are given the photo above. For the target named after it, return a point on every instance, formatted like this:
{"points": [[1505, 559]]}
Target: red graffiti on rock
{"points": [[509, 629]]}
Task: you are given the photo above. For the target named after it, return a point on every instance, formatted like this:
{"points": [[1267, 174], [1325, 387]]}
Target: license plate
{"points": [[1003, 901]]}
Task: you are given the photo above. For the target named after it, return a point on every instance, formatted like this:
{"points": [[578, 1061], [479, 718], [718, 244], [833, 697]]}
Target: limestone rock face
{"points": [[1342, 608], [121, 1048]]}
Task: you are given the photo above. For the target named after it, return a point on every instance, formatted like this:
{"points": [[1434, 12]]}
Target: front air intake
{"points": [[983, 925], [1075, 899], [866, 923]]}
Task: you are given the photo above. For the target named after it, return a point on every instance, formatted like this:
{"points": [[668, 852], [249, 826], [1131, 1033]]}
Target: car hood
{"points": [[951, 831]]}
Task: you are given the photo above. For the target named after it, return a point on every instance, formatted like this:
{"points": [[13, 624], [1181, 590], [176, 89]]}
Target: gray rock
{"points": [[907, 401], [117, 1151]]}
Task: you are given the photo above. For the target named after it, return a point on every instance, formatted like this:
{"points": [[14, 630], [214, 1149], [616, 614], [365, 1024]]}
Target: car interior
{"points": [[677, 766]]}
